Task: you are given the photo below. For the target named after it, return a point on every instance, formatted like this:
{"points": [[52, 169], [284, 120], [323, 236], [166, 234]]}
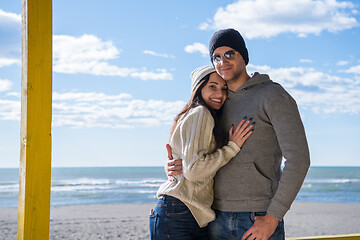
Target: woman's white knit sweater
{"points": [[193, 142]]}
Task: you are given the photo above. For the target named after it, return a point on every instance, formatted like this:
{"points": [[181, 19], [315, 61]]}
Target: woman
{"points": [[184, 207]]}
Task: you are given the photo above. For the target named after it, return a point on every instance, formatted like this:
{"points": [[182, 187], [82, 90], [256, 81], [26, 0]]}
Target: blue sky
{"points": [[121, 73]]}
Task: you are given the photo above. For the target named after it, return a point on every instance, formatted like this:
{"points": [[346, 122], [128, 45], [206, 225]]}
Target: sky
{"points": [[121, 72]]}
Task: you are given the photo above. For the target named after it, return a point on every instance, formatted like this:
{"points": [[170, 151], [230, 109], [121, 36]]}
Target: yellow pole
{"points": [[35, 133], [355, 236]]}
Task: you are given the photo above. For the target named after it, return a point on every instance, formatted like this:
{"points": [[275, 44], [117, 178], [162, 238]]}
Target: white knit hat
{"points": [[199, 74]]}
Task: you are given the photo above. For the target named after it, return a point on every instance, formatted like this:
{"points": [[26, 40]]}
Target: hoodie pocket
{"points": [[242, 181]]}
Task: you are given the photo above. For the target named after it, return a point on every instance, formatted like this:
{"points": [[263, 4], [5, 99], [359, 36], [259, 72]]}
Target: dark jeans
{"points": [[173, 220], [233, 225]]}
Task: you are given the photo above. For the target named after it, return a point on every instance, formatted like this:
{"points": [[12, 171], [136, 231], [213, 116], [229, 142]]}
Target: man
{"points": [[251, 193]]}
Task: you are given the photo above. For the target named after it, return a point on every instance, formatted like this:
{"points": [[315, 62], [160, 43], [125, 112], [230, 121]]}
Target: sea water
{"points": [[119, 185]]}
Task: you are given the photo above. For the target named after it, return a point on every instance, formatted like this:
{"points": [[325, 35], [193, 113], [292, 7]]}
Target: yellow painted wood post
{"points": [[355, 236], [36, 109]]}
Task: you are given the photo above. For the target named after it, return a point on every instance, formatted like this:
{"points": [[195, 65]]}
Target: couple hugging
{"points": [[225, 153]]}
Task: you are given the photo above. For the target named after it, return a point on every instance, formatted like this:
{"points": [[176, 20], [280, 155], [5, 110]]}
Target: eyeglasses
{"points": [[229, 55]]}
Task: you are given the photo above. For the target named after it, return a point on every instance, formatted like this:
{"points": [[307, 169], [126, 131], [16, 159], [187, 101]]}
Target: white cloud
{"points": [[10, 32], [9, 109], [317, 91], [160, 74], [306, 61], [5, 85], [354, 69], [91, 109], [268, 18], [149, 52], [111, 111], [90, 55], [342, 63], [14, 94], [10, 35], [88, 97], [8, 20], [5, 62], [197, 47]]}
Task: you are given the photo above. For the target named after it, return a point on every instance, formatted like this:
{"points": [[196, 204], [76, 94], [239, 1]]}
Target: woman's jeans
{"points": [[172, 219], [233, 225]]}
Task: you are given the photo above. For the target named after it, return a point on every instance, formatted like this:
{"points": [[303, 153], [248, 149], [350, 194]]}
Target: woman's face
{"points": [[214, 92]]}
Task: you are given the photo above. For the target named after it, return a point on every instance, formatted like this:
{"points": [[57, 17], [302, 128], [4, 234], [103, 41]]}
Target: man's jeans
{"points": [[233, 225], [172, 219]]}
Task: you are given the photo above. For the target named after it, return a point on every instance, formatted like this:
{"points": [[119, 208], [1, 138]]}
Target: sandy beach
{"points": [[130, 221]]}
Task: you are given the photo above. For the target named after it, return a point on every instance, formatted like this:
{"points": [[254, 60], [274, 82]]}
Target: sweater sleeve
{"points": [[196, 135], [285, 118]]}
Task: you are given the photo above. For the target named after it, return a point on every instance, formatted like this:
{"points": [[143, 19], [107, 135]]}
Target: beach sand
{"points": [[130, 221]]}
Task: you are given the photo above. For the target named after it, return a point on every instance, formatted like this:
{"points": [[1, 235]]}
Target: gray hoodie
{"points": [[253, 181]]}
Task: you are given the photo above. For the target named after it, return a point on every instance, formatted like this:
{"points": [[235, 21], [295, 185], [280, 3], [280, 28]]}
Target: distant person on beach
{"points": [[184, 209], [251, 192]]}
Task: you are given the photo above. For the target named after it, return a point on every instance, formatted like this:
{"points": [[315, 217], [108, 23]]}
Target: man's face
{"points": [[229, 69]]}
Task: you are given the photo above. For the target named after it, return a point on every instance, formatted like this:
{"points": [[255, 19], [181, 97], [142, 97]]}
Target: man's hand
{"points": [[263, 228], [172, 167]]}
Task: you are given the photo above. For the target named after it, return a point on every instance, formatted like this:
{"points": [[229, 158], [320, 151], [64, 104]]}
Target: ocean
{"points": [[119, 185]]}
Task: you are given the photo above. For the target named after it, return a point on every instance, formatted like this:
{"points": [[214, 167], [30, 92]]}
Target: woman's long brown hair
{"points": [[197, 100]]}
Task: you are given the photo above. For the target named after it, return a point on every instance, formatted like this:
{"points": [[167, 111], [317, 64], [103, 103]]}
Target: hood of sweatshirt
{"points": [[255, 80]]}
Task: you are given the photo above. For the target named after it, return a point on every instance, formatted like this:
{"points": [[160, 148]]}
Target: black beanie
{"points": [[229, 38]]}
